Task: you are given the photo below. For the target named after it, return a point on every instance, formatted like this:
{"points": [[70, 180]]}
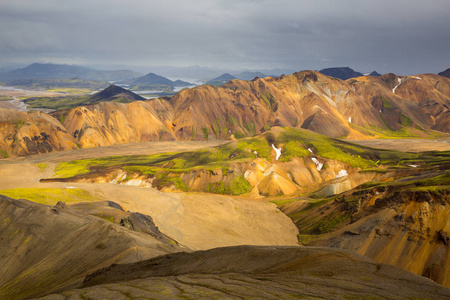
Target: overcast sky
{"points": [[400, 36]]}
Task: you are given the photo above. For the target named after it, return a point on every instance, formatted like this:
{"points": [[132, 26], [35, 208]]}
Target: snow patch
{"points": [[413, 166], [349, 119], [318, 164], [342, 173], [277, 151], [399, 82], [417, 77], [309, 149]]}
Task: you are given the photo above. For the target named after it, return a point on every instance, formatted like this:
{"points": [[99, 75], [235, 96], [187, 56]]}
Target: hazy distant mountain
{"points": [[375, 73], [224, 78], [113, 93], [248, 75], [445, 73], [37, 70], [343, 73], [154, 81]]}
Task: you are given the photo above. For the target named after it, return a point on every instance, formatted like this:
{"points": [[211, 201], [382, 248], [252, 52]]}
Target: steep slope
{"points": [[343, 73], [47, 248], [420, 101], [108, 123], [24, 133], [258, 273], [113, 93], [401, 218]]}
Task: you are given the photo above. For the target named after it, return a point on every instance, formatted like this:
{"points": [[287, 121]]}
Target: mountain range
{"points": [[153, 81], [386, 106], [38, 70]]}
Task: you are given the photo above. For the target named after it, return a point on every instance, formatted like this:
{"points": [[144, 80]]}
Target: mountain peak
{"points": [[114, 93], [343, 73]]}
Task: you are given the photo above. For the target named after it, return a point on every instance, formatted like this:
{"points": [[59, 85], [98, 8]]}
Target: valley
{"points": [[363, 177]]}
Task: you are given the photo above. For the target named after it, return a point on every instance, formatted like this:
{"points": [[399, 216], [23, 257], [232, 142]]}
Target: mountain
{"points": [[386, 106], [25, 133], [222, 79], [247, 75], [153, 81], [374, 73], [445, 73], [38, 70], [343, 73], [54, 247], [113, 93]]}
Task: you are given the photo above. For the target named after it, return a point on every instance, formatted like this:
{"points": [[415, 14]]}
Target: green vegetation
{"points": [[49, 196], [62, 102], [42, 167], [5, 98], [405, 120], [4, 153], [270, 101], [386, 103], [205, 132], [61, 85], [325, 147]]}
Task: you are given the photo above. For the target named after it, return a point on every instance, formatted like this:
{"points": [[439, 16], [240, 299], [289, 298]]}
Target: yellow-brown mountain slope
{"points": [[23, 133], [363, 107], [367, 106]]}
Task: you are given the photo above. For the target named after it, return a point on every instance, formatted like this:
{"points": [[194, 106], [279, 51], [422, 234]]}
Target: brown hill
{"points": [[23, 133], [257, 273], [45, 248], [362, 107]]}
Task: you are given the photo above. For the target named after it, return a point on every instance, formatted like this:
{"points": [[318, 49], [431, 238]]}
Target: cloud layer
{"points": [[401, 36]]}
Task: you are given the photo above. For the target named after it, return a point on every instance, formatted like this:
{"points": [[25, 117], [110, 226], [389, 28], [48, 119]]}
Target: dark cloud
{"points": [[402, 36]]}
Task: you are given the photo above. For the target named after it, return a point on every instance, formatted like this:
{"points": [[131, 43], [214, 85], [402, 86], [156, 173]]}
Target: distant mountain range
{"points": [[38, 70], [222, 79], [154, 81]]}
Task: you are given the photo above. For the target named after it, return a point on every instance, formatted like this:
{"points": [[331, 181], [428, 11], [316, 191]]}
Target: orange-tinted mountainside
{"points": [[361, 107]]}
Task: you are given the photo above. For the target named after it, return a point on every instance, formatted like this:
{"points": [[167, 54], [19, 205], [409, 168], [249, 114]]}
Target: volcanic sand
{"points": [[196, 220]]}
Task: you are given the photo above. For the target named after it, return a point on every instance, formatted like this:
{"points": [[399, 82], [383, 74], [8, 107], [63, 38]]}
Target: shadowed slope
{"points": [[257, 272], [45, 248]]}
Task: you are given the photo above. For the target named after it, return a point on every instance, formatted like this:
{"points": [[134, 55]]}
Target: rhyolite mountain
{"points": [[445, 73], [224, 78], [153, 81], [38, 70], [343, 73], [367, 106]]}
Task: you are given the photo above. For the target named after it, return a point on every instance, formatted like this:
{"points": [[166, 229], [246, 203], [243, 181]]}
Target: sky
{"points": [[401, 36]]}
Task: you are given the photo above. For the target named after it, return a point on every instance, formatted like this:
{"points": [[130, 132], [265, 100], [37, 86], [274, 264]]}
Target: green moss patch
{"points": [[49, 196]]}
